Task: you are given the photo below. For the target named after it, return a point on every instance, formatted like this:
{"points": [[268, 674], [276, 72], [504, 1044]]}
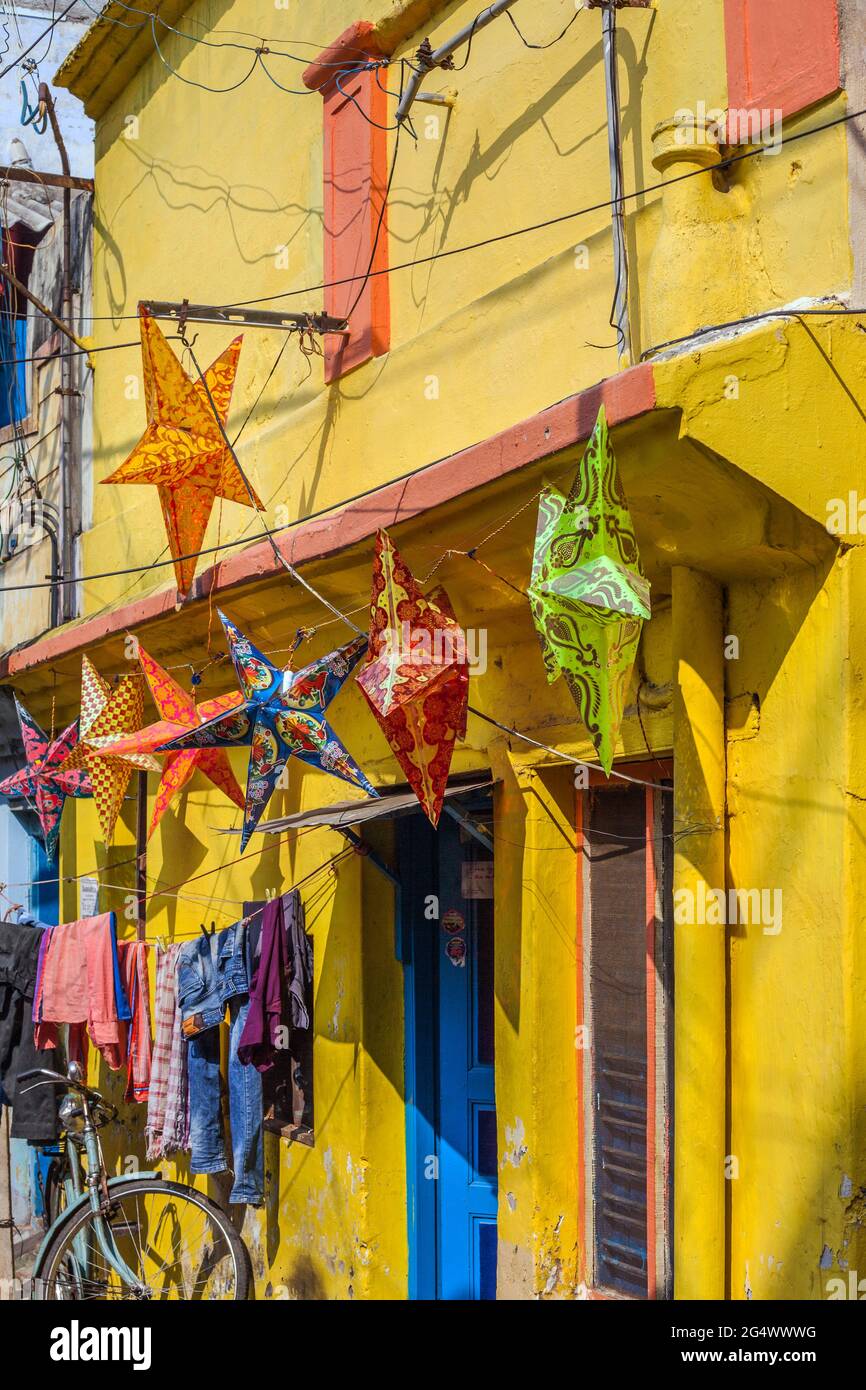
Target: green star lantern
{"points": [[588, 592]]}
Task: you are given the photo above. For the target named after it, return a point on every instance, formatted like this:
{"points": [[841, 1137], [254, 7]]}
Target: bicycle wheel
{"points": [[53, 1192], [178, 1244]]}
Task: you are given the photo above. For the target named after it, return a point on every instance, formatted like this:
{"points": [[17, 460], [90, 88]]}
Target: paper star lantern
{"points": [[588, 591], [179, 713], [108, 714], [182, 452], [282, 716], [416, 677], [42, 782]]}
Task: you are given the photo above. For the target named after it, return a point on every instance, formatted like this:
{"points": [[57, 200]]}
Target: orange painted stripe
{"points": [[650, 1045], [582, 1262], [782, 55], [355, 176]]}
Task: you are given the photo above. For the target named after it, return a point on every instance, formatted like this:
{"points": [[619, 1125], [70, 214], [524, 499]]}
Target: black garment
{"points": [[300, 948], [34, 1113]]}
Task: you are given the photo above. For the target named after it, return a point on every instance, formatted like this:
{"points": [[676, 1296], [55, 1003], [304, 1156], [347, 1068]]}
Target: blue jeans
{"points": [[201, 1002], [207, 1138]]}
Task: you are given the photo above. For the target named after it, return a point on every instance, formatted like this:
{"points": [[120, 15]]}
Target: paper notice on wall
{"points": [[89, 896], [476, 879]]}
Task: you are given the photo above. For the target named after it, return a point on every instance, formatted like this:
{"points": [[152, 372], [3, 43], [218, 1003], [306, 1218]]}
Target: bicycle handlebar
{"points": [[56, 1078]]}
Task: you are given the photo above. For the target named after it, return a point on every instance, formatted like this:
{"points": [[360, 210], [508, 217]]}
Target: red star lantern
{"points": [[416, 677]]}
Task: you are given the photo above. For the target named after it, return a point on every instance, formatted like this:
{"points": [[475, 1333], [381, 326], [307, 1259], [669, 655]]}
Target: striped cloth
{"points": [[133, 966], [167, 1128]]}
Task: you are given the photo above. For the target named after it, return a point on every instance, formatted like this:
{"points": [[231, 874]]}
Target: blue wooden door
{"points": [[451, 1119], [467, 1185]]}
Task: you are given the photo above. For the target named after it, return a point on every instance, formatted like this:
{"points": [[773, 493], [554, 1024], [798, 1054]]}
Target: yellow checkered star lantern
{"points": [[108, 714]]}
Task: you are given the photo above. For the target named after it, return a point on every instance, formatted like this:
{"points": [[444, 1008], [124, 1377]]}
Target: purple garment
{"points": [[269, 993]]}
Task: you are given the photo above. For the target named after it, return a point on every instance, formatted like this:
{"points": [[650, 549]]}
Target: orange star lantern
{"points": [[178, 714], [108, 714], [416, 677], [182, 452]]}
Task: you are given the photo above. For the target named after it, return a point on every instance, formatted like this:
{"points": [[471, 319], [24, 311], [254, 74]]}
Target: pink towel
{"points": [[77, 987]]}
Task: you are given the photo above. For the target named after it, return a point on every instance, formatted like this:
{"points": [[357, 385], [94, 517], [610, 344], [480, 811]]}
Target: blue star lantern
{"points": [[282, 717]]}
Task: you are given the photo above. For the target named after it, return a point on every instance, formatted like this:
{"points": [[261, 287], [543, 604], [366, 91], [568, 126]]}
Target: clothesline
{"points": [[81, 987]]}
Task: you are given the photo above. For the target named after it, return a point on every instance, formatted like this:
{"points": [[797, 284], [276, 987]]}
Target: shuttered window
{"points": [[626, 1008]]}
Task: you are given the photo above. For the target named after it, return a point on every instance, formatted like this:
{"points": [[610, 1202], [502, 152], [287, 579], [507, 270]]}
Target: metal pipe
{"points": [[141, 857], [6, 273], [619, 317], [237, 316], [21, 175], [440, 56], [69, 462]]}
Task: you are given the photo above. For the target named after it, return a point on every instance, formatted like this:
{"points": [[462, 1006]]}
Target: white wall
{"points": [[19, 26]]}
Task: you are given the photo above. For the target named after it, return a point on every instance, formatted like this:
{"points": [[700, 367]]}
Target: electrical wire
{"points": [[792, 313], [38, 39], [266, 534], [261, 41], [278, 555], [605, 205], [541, 46], [499, 237], [190, 82], [658, 187]]}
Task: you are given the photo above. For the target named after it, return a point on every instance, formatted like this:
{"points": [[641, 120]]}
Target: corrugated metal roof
{"points": [[346, 813]]}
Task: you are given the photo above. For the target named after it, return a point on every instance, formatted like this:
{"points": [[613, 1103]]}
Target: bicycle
{"points": [[137, 1237]]}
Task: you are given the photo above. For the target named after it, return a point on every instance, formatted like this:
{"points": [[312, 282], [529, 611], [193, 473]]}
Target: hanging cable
{"points": [[278, 555]]}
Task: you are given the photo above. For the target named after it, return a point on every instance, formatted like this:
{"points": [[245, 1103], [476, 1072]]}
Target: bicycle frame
{"points": [[88, 1186], [93, 1187]]}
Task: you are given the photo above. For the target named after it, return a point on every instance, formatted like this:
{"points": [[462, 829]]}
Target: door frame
{"points": [[417, 850], [658, 870], [421, 1049]]}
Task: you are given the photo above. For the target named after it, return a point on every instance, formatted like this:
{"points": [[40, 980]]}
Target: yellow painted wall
{"points": [[197, 193], [196, 205]]}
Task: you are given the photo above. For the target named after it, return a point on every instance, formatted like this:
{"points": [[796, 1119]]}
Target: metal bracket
{"points": [[443, 57], [468, 825], [241, 317]]}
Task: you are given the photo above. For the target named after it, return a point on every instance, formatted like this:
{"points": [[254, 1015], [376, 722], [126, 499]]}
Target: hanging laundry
{"points": [[80, 984], [167, 1128], [274, 1005], [300, 949], [136, 983], [213, 976], [34, 1112]]}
